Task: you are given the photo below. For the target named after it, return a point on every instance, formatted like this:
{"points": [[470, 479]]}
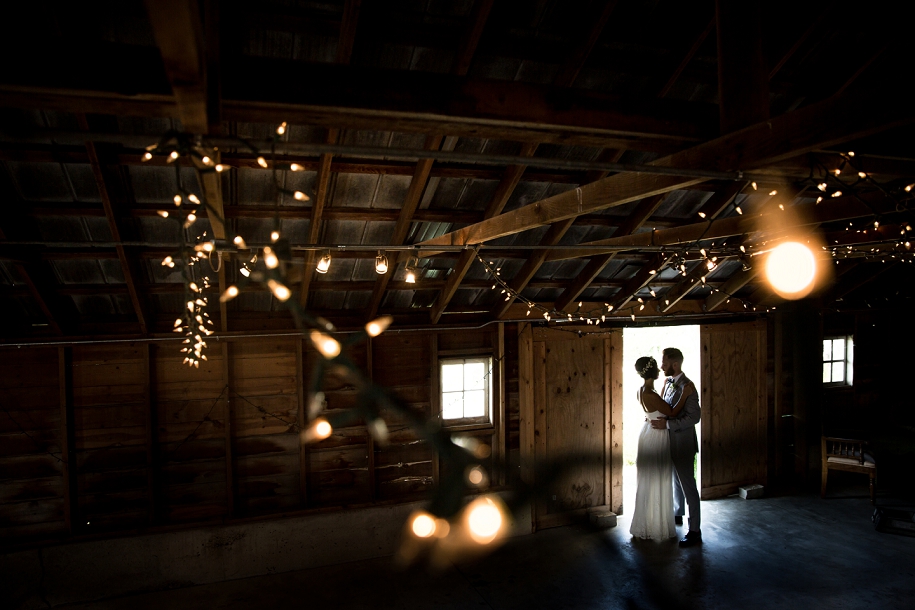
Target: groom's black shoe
{"points": [[678, 519], [691, 539]]}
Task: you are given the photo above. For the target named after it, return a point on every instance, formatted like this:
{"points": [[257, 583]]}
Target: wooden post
{"points": [[614, 360], [498, 415], [435, 394], [230, 478], [526, 401], [67, 439]]}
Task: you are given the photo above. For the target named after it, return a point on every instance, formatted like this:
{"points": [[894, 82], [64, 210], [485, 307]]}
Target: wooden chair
{"points": [[850, 455]]}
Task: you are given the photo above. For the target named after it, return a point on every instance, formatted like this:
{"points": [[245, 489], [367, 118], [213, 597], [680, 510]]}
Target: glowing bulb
{"points": [[754, 185], [851, 153], [381, 264], [410, 276], [262, 162], [274, 235], [323, 264], [270, 258], [790, 269], [230, 293], [423, 525], [206, 160], [162, 213], [837, 171], [177, 200], [193, 198], [280, 291], [738, 210], [837, 194], [245, 272], [327, 345], [220, 167], [909, 187], [378, 326], [319, 430], [281, 129], [239, 241], [167, 262], [773, 193], [822, 186], [475, 476], [147, 156], [484, 520], [701, 214], [296, 167], [299, 195], [173, 155], [862, 175]]}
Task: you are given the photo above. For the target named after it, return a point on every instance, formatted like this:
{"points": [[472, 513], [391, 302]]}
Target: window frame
{"points": [[849, 361], [467, 423]]}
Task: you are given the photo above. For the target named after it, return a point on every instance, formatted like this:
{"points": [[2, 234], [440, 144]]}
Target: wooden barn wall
{"points": [[121, 437]]}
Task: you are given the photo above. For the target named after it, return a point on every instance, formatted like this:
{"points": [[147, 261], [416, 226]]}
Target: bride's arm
{"points": [[657, 403]]}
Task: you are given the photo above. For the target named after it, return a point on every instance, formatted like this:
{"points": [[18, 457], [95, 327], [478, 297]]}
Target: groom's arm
{"points": [[688, 417]]}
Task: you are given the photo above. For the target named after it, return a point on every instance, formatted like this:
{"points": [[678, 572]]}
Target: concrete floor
{"points": [[782, 552]]}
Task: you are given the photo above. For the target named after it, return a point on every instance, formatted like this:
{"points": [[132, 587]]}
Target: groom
{"points": [[683, 443]]}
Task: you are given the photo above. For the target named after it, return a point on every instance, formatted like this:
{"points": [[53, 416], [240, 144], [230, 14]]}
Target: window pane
{"points": [[838, 349], [453, 405], [475, 403], [838, 371], [851, 362], [452, 377], [474, 376], [827, 372], [827, 349]]}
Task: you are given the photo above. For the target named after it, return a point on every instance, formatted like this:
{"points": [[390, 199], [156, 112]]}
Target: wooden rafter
{"points": [[730, 287], [471, 37], [689, 283], [510, 179], [317, 217], [579, 56], [348, 31], [829, 122], [641, 279], [717, 203], [639, 216], [405, 218], [126, 267]]}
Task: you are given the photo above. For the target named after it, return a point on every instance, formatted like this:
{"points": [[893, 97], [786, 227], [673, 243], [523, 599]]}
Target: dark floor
{"points": [[783, 552]]}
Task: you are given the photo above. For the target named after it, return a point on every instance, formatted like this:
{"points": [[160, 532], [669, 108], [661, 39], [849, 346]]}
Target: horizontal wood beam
{"points": [[814, 127]]}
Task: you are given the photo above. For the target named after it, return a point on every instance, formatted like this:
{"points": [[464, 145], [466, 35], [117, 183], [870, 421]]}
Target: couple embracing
{"points": [[667, 451]]}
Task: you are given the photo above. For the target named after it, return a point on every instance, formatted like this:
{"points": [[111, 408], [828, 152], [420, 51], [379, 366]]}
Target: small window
{"points": [[838, 360], [466, 390]]}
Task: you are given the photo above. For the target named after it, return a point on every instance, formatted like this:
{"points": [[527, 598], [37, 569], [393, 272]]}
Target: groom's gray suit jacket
{"points": [[683, 427]]}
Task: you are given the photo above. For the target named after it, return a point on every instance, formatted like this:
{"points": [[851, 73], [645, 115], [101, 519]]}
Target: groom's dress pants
{"points": [[685, 488]]}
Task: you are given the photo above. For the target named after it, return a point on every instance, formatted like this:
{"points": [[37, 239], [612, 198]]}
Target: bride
{"points": [[653, 516]]}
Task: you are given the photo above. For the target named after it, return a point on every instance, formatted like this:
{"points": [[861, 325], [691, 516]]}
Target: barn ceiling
{"points": [[595, 154]]}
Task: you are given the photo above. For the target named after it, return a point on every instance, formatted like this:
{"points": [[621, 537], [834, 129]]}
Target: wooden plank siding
{"points": [[156, 443]]}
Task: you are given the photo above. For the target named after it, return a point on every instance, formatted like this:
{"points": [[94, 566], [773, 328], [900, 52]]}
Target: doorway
{"points": [[650, 341]]}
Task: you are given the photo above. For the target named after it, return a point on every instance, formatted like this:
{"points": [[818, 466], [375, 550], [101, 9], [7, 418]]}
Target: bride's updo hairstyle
{"points": [[647, 367]]}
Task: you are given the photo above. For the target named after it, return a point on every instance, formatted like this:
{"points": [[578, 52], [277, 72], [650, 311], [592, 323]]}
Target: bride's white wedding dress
{"points": [[653, 516]]}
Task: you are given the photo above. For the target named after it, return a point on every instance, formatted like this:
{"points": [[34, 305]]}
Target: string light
{"points": [[381, 263], [378, 326], [323, 263], [270, 259], [325, 344], [230, 293], [279, 290]]}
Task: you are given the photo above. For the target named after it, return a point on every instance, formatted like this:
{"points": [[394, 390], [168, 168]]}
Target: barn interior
{"points": [[278, 278]]}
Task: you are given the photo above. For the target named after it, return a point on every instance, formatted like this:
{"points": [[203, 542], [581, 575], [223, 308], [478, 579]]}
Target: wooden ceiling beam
{"points": [[579, 55], [813, 127], [641, 279], [317, 214], [347, 36], [404, 219], [693, 280], [730, 287], [504, 190], [717, 203], [470, 39], [126, 265]]}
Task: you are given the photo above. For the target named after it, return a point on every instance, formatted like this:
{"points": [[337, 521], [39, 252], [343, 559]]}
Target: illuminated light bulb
{"points": [[162, 213], [710, 265], [819, 199], [324, 263], [791, 269], [702, 251], [296, 167], [738, 210], [632, 316], [280, 291], [230, 293], [652, 272], [193, 198], [178, 322], [701, 214], [173, 155], [410, 276], [220, 167], [475, 475], [206, 160], [191, 219], [239, 241], [837, 194], [147, 156], [262, 162], [851, 153], [909, 187], [378, 325], [207, 246], [281, 129], [381, 264], [274, 235], [299, 195], [190, 305], [822, 186], [837, 171], [773, 193], [781, 207], [422, 525], [177, 200], [193, 287], [652, 292], [484, 520], [876, 224], [753, 184], [862, 175], [317, 431], [442, 528], [167, 262], [327, 345], [609, 308], [270, 258]]}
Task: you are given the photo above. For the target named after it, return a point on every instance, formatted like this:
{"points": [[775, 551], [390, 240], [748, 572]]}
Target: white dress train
{"points": [[653, 516]]}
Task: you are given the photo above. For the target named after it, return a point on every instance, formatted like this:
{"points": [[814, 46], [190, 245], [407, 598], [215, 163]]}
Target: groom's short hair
{"points": [[673, 353]]}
